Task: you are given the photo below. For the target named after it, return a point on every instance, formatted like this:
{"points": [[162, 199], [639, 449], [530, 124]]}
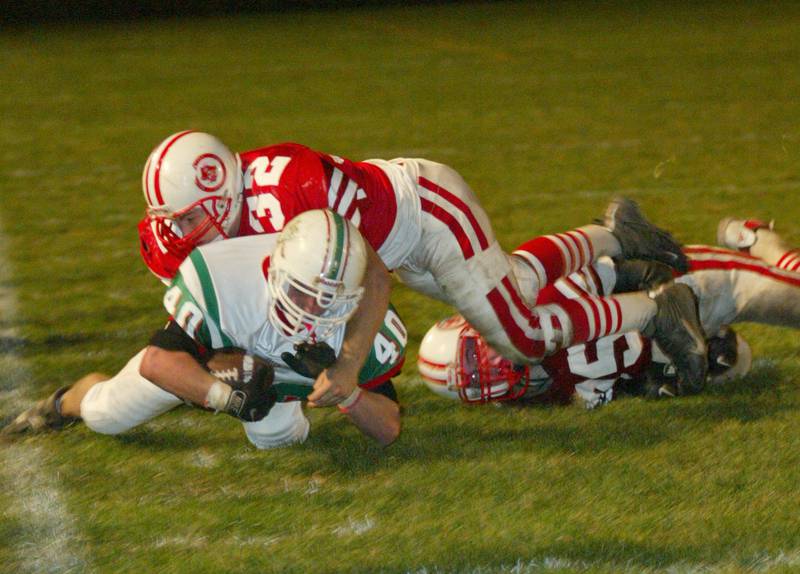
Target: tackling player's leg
{"points": [[460, 262], [734, 287]]}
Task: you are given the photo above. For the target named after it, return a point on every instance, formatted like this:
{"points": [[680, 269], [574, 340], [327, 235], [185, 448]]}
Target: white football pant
{"points": [[127, 400]]}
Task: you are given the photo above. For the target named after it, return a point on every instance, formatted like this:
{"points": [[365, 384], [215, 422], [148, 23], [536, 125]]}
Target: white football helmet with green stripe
{"points": [[315, 275]]}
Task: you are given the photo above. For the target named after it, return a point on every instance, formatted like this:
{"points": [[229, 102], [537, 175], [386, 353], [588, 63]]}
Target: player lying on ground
{"points": [[423, 221], [730, 287], [243, 294]]}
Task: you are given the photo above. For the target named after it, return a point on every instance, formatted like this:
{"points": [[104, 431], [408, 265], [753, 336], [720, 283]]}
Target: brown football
{"points": [[235, 366]]}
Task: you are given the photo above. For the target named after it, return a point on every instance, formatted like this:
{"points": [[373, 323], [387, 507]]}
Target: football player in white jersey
{"points": [[262, 295], [730, 287]]}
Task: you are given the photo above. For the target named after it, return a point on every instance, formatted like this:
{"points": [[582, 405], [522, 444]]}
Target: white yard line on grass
{"points": [[49, 541]]}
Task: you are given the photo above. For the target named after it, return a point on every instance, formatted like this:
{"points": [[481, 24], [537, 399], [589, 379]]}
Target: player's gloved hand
{"points": [[252, 401], [310, 359], [244, 387]]}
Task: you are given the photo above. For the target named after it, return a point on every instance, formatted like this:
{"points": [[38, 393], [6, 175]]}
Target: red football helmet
{"points": [[161, 262], [456, 363], [192, 171]]}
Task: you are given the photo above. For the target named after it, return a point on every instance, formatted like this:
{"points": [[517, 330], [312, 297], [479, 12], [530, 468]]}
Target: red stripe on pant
{"points": [[452, 223], [787, 277], [709, 250], [585, 236], [549, 255], [459, 204], [528, 346], [789, 261]]}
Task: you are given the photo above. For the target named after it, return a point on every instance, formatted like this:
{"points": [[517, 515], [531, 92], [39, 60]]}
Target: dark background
{"points": [[27, 12]]}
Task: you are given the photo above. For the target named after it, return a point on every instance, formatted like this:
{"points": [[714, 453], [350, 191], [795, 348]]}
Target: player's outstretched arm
{"points": [[338, 382]]}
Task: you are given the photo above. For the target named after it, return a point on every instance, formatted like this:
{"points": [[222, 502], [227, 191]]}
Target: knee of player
{"points": [[102, 422], [151, 364]]}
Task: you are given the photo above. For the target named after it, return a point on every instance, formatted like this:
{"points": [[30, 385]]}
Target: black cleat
{"points": [[677, 330], [40, 417], [639, 275], [639, 238]]}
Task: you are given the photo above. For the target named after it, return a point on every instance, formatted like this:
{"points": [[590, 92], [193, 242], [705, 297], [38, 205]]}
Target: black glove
{"points": [[250, 378], [310, 359], [251, 401]]}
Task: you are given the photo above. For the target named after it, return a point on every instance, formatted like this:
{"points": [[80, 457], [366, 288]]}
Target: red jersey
{"points": [[284, 180]]}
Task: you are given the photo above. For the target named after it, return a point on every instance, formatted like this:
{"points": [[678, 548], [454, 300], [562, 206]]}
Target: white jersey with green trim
{"points": [[221, 299]]}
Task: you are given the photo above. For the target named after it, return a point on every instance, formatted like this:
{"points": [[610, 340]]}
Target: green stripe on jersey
{"points": [[209, 294], [186, 305]]}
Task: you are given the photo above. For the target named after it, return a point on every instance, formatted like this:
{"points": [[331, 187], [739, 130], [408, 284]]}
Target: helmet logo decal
{"points": [[209, 172]]}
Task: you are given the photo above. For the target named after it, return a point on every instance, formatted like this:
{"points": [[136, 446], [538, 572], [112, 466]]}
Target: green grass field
{"points": [[547, 110]]}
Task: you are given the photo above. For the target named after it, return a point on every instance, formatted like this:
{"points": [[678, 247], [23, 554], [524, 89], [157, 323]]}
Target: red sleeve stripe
{"points": [[157, 176], [459, 204], [452, 224]]}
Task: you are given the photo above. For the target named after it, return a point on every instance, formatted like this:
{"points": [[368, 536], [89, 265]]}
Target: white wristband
{"points": [[351, 400], [218, 396]]}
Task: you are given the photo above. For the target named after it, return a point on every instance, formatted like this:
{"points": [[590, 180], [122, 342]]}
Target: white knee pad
{"points": [[124, 401], [284, 425]]}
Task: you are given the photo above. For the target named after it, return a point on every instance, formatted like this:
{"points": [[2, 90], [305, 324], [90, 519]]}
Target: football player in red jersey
{"points": [[420, 220], [730, 287]]}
